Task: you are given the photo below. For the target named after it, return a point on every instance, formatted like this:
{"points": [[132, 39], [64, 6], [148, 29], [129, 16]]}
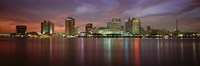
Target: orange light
{"points": [[137, 51]]}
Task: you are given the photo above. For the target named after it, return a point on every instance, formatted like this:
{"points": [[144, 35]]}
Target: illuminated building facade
{"points": [[114, 24], [78, 30], [133, 26], [88, 27], [21, 29], [95, 30], [47, 27], [70, 25], [111, 31], [136, 26]]}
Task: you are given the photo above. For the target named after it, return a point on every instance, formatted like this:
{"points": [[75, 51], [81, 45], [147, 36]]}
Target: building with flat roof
{"points": [[47, 27], [70, 25], [133, 26], [114, 24], [88, 27]]}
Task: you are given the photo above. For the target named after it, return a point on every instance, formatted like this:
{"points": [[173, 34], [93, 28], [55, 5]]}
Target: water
{"points": [[99, 52]]}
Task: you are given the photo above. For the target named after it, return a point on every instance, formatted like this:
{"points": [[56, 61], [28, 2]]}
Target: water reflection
{"points": [[99, 52], [137, 51], [194, 51]]}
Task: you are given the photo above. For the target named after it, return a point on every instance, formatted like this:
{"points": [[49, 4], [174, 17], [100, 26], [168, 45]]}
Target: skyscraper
{"points": [[21, 29], [133, 26], [136, 26], [88, 27], [47, 27], [114, 24], [70, 25], [128, 25]]}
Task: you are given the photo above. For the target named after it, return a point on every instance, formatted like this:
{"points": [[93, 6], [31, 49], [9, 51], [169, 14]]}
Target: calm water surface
{"points": [[99, 52]]}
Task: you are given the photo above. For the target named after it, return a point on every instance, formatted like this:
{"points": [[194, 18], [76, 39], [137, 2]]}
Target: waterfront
{"points": [[99, 52]]}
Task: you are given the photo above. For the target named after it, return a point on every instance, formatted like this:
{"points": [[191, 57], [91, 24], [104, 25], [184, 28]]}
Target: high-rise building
{"points": [[70, 25], [21, 29], [133, 26], [47, 27], [136, 26], [88, 27], [114, 24], [128, 25], [78, 30]]}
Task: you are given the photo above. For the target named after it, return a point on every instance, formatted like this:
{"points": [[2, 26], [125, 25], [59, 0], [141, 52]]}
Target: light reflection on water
{"points": [[99, 52]]}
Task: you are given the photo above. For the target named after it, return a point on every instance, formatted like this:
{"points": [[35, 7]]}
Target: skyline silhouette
{"points": [[154, 13]]}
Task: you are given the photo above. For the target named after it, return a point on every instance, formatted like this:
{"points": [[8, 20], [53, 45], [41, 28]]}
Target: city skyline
{"points": [[154, 13]]}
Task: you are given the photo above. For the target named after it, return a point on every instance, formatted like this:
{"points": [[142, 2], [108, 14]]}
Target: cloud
{"points": [[166, 7], [99, 12], [86, 8]]}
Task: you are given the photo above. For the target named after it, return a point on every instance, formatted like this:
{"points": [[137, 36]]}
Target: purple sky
{"points": [[155, 13]]}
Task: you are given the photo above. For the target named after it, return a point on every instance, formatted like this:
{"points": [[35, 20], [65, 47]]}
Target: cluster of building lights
{"points": [[114, 29]]}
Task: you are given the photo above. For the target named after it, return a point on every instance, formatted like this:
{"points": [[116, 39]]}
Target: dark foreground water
{"points": [[99, 52]]}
